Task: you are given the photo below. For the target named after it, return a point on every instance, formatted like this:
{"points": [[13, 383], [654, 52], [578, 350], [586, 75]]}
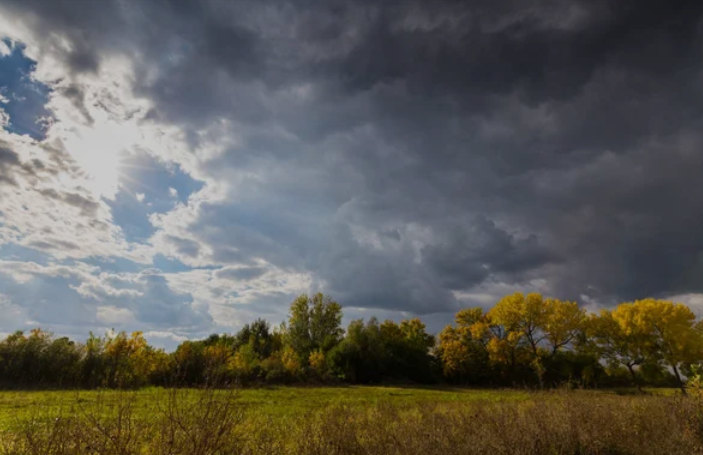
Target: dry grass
{"points": [[216, 422]]}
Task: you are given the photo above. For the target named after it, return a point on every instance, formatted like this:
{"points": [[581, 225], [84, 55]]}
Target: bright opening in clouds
{"points": [[184, 167]]}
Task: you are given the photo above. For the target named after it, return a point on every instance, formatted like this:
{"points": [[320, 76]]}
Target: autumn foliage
{"points": [[523, 340]]}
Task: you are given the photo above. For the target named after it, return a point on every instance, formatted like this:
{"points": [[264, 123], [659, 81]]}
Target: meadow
{"points": [[274, 402], [350, 420], [106, 396]]}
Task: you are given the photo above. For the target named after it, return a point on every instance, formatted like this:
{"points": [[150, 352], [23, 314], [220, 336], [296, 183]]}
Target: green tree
{"points": [[258, 335], [361, 356], [313, 323]]}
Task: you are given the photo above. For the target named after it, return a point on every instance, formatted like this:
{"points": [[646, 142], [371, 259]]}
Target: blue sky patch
{"points": [[25, 98], [148, 187], [14, 252]]}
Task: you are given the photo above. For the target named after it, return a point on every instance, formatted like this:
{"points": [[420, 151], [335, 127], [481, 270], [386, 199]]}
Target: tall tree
{"points": [[675, 335], [462, 347], [313, 323], [524, 314], [621, 339], [562, 324]]}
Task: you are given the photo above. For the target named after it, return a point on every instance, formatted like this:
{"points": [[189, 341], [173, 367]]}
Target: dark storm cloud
{"points": [[556, 98], [364, 277], [404, 150], [468, 255]]}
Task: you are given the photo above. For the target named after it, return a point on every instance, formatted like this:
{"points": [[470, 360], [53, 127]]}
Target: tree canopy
{"points": [[522, 340]]}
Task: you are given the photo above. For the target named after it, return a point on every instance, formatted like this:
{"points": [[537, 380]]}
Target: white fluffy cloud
{"points": [[45, 204]]}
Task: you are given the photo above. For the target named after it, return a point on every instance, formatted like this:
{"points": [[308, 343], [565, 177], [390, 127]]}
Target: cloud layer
{"points": [[407, 158]]}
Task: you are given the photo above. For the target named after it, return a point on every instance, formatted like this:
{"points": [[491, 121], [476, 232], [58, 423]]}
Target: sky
{"points": [[182, 168]]}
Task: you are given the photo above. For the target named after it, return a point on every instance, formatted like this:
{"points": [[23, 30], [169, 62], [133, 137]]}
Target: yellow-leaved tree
{"points": [[545, 326], [477, 347], [456, 344], [621, 338], [525, 315], [562, 323], [129, 360], [316, 360], [649, 330], [674, 333]]}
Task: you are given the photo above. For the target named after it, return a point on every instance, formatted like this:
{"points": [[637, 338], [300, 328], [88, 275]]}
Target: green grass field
{"points": [[270, 401], [350, 420]]}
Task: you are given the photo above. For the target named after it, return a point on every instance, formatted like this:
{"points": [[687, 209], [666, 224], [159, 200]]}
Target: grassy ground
{"points": [[350, 420], [270, 401]]}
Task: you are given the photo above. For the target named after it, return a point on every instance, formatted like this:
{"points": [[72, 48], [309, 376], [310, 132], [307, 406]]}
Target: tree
{"points": [[408, 345], [245, 362], [462, 348], [522, 319], [621, 339], [38, 359], [94, 362], [291, 362], [216, 358], [313, 323], [62, 363], [129, 360], [453, 352], [526, 315], [674, 334], [189, 363], [545, 325], [362, 355], [317, 363], [563, 322]]}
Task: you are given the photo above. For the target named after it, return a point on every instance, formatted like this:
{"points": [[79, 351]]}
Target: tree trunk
{"points": [[682, 386], [634, 378]]}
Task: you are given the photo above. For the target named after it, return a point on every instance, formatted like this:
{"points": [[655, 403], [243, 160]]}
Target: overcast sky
{"points": [[182, 168]]}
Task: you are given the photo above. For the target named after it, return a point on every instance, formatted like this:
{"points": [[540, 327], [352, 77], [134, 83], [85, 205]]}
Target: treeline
{"points": [[524, 340]]}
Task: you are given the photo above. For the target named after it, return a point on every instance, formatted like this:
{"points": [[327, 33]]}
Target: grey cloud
{"points": [[68, 298], [241, 273], [8, 158], [365, 276], [478, 118], [160, 306], [88, 206], [54, 244], [228, 255], [184, 247], [77, 97], [46, 301], [471, 143], [469, 255]]}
